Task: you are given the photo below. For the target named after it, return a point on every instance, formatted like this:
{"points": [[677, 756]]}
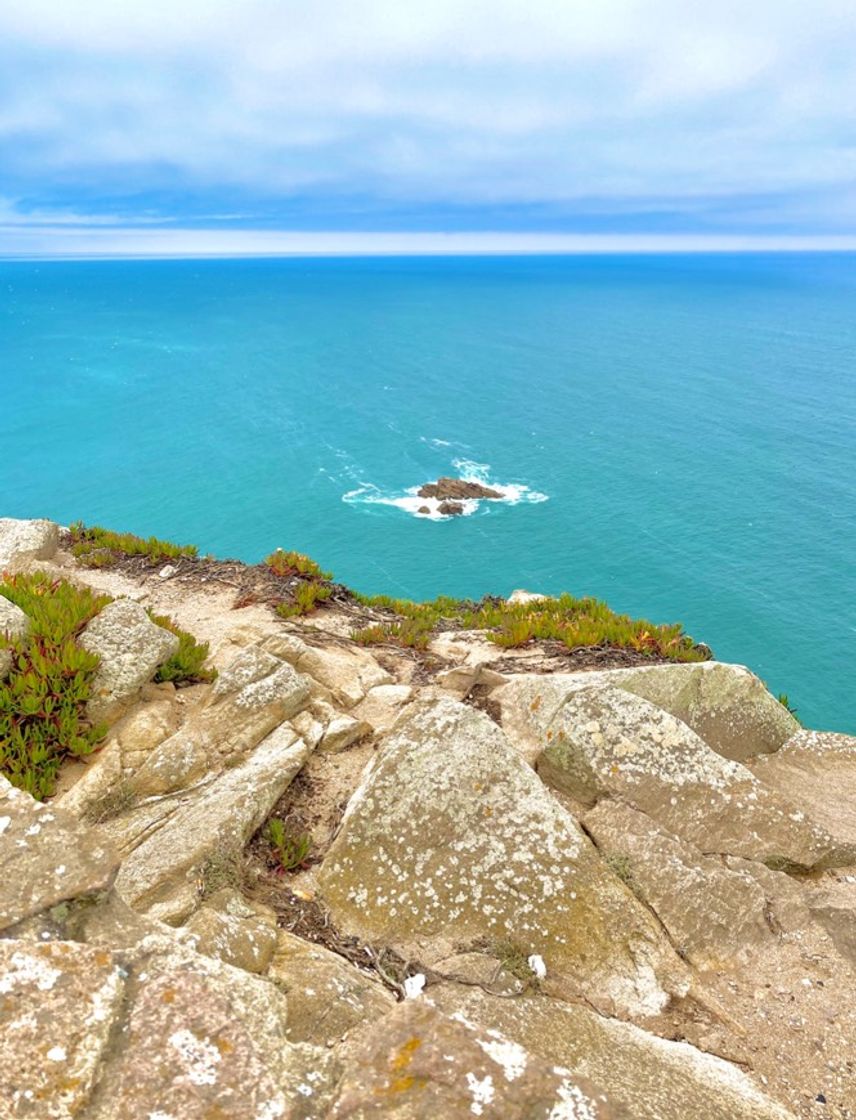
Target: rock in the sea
{"points": [[452, 838], [22, 541], [609, 742], [456, 489], [418, 1064], [450, 509], [131, 647]]}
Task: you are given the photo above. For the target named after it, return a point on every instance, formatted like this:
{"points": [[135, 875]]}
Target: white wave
{"points": [[512, 493]]}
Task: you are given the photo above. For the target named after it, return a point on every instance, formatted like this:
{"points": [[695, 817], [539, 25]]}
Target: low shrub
{"points": [[185, 665], [307, 596], [311, 589], [96, 547], [43, 699], [295, 564], [576, 623]]}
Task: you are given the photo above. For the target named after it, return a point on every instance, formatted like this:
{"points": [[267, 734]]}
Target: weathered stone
{"points": [[726, 705], [327, 997], [342, 732], [167, 856], [254, 695], [13, 624], [46, 858], [715, 916], [22, 541], [418, 1064], [348, 673], [816, 771], [58, 1001], [834, 905], [650, 1077], [201, 1040], [383, 704], [131, 647], [786, 907], [228, 928], [520, 596], [606, 741], [451, 837], [456, 489]]}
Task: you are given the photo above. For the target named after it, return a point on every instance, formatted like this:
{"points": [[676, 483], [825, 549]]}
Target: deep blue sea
{"points": [[674, 434]]}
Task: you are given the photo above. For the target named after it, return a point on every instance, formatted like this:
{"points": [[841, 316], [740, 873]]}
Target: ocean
{"points": [[675, 434]]}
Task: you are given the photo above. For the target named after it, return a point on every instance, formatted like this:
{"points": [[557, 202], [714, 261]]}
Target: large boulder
{"points": [[327, 996], [726, 705], [418, 1064], [13, 624], [715, 916], [649, 1077], [131, 647], [250, 698], [46, 858], [230, 928], [348, 673], [168, 843], [451, 838], [610, 742], [22, 541], [816, 770]]}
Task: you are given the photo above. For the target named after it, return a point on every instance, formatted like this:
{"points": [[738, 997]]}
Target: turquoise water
{"points": [[685, 425]]}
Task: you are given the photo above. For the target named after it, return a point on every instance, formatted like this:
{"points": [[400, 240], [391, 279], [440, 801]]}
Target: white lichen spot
{"points": [[482, 1091], [4, 824], [200, 1058], [414, 986], [510, 1055], [56, 1054], [536, 963], [24, 969], [572, 1104]]}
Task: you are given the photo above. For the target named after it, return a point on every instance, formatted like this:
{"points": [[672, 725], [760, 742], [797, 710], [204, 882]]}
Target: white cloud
{"points": [[435, 102]]}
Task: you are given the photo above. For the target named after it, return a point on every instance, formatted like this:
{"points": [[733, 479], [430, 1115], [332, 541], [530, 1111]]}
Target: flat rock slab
{"points": [[610, 742], [327, 996], [58, 1000], [22, 541], [46, 858], [726, 705], [452, 838], [418, 1064], [161, 873], [816, 770], [650, 1077], [714, 915], [131, 648]]}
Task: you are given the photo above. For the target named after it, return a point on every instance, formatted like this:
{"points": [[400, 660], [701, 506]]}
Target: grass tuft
{"points": [[312, 585], [290, 850]]}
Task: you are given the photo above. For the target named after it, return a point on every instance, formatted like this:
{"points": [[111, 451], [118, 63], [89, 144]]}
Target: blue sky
{"points": [[133, 127]]}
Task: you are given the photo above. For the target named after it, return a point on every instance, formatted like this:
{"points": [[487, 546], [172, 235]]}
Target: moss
{"points": [[43, 699]]}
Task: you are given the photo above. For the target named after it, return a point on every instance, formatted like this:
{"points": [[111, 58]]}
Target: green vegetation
{"points": [[290, 849], [785, 701], [576, 623], [43, 699], [312, 588], [101, 548], [185, 666]]}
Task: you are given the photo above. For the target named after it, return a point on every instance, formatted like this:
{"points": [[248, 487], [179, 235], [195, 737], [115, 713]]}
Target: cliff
{"points": [[296, 853]]}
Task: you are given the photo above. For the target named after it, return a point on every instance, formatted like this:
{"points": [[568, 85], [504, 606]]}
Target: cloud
{"points": [[582, 107]]}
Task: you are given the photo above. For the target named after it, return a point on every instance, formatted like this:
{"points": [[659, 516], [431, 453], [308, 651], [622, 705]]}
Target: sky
{"points": [[196, 126]]}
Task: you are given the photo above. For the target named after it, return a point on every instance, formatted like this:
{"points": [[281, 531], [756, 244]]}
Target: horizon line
{"points": [[45, 242]]}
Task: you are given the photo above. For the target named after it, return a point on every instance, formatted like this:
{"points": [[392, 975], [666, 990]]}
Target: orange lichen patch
{"points": [[549, 736], [224, 1046], [168, 995], [405, 1055], [102, 959], [535, 705]]}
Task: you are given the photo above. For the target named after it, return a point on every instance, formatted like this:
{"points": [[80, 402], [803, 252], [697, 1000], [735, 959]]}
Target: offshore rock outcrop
{"points": [[456, 490], [523, 893]]}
